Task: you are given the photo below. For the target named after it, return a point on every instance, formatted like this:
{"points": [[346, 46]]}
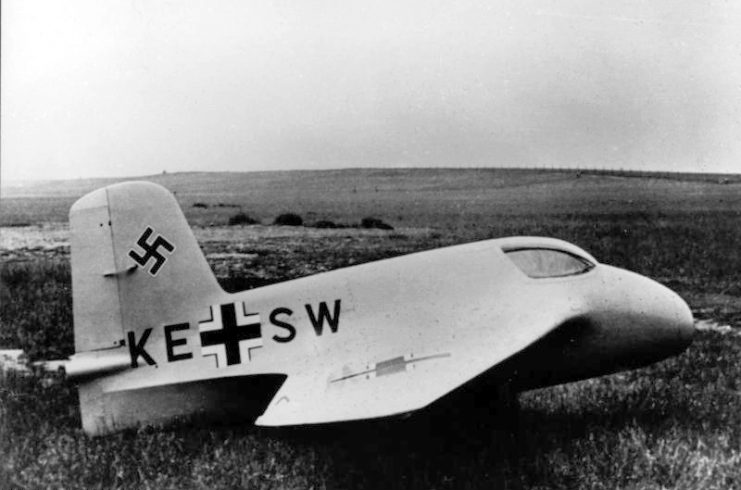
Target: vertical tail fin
{"points": [[135, 265]]}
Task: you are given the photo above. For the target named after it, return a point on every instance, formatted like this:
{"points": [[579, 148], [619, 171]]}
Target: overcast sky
{"points": [[117, 88]]}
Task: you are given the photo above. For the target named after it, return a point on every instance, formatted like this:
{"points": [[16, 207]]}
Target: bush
{"points": [[242, 219], [288, 219], [375, 223]]}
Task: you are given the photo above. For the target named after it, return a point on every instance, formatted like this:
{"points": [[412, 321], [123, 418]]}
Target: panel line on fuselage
{"points": [[391, 366]]}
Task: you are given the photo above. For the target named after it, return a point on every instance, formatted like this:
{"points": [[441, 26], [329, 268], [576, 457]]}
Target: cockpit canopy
{"points": [[540, 263]]}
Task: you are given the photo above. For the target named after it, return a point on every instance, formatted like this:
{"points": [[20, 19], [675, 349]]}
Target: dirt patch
{"points": [[723, 308], [33, 237], [714, 326], [24, 243]]}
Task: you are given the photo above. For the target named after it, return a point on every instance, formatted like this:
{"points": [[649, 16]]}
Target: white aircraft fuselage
{"points": [[373, 340]]}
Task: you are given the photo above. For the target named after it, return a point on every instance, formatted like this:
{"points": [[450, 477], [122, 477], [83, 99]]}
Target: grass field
{"points": [[676, 424]]}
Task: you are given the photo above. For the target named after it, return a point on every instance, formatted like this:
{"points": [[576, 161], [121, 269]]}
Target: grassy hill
{"points": [[418, 197]]}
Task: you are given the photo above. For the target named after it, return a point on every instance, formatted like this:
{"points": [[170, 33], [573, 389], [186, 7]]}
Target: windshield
{"points": [[541, 263]]}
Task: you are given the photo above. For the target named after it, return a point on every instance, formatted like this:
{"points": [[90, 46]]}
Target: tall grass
{"points": [[662, 427], [36, 308]]}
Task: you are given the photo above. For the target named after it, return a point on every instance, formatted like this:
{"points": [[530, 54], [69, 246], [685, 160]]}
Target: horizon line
{"points": [[594, 170]]}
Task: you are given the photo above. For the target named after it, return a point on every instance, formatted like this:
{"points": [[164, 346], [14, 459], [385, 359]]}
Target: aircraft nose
{"points": [[687, 326], [651, 321], [666, 318], [678, 318]]}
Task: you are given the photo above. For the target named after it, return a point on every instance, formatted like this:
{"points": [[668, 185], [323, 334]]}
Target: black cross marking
{"points": [[230, 334], [151, 251]]}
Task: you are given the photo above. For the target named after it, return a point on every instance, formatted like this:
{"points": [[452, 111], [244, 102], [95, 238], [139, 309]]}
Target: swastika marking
{"points": [[151, 251], [229, 333]]}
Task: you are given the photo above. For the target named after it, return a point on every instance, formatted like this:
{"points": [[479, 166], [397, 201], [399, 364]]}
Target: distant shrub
{"points": [[242, 219], [325, 224], [288, 219], [375, 223], [202, 205]]}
